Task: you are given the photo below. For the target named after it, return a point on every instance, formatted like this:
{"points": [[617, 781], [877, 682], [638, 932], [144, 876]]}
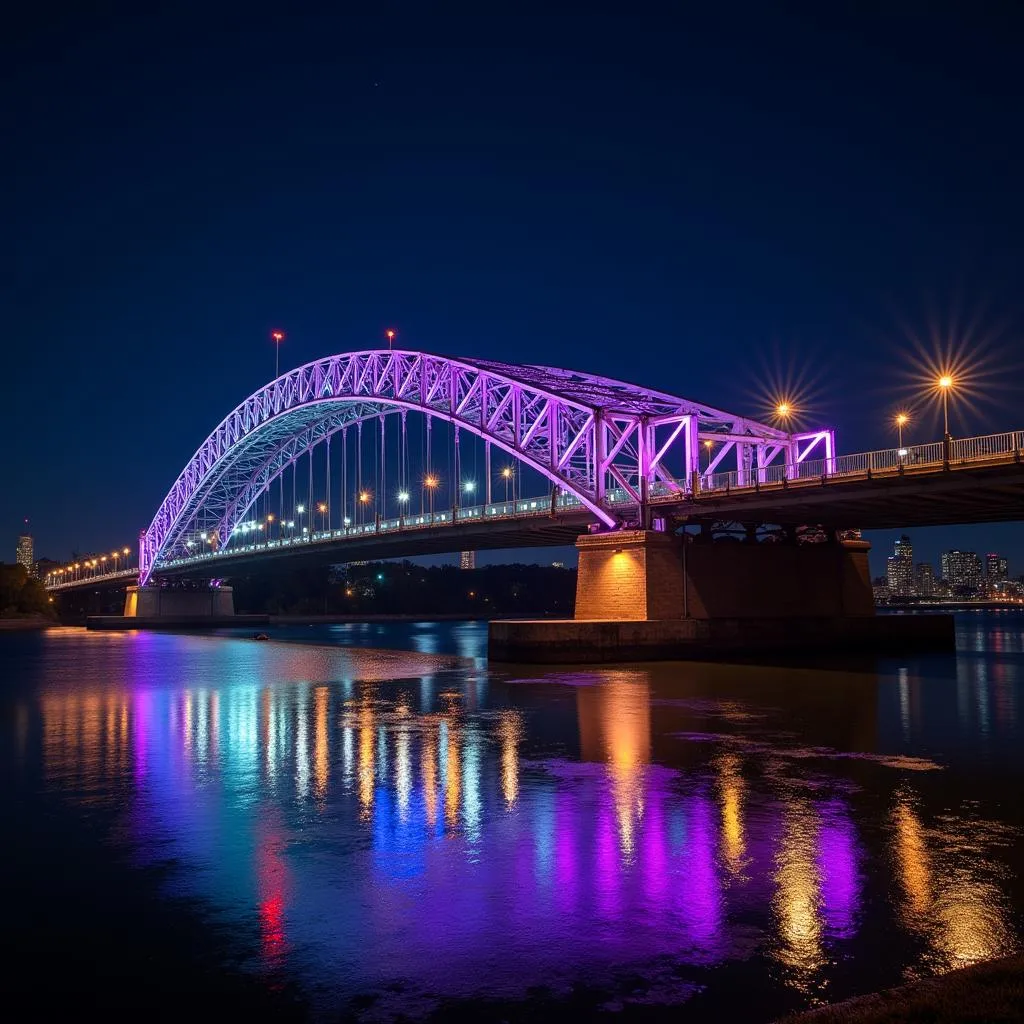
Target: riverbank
{"points": [[27, 622], [988, 993]]}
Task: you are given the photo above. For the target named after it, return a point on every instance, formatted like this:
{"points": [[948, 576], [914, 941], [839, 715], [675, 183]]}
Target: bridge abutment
{"points": [[643, 595]]}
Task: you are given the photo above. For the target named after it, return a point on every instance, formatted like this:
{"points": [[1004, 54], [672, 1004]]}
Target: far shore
{"points": [[27, 622]]}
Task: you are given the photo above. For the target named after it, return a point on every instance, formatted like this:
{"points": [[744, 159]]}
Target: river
{"points": [[368, 821]]}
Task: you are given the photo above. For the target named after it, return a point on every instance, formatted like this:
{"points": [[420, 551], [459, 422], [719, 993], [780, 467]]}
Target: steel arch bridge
{"points": [[587, 435]]}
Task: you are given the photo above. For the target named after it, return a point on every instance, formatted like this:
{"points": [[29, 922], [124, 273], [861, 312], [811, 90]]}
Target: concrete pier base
{"points": [[164, 602], [582, 642]]}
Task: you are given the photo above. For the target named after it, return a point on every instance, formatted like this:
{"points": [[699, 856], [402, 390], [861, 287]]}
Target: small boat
{"points": [[260, 636]]}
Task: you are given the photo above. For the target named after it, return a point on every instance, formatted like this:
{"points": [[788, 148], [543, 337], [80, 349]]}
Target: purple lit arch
{"points": [[585, 434]]}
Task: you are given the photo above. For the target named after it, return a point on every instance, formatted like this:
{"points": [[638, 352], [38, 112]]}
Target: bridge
{"points": [[385, 453]]}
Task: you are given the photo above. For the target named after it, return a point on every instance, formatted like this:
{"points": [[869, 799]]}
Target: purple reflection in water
{"points": [[837, 866], [700, 891]]}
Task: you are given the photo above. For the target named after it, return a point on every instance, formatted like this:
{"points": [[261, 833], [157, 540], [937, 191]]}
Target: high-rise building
{"points": [[924, 579], [995, 569], [467, 560], [962, 571], [903, 548], [25, 555], [899, 569]]}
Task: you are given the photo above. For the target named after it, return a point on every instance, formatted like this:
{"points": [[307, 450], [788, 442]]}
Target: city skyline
{"points": [[962, 575]]}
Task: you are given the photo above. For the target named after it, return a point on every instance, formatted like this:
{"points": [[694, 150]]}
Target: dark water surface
{"points": [[324, 827]]}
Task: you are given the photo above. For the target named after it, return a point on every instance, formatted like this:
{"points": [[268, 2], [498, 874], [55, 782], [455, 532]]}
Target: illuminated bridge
{"points": [[396, 453]]}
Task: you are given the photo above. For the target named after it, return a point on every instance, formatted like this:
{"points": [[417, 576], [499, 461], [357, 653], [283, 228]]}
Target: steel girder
{"points": [[580, 431]]}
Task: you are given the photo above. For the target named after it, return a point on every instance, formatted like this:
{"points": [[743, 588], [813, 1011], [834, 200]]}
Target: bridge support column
{"points": [[629, 575], [161, 603], [640, 575]]}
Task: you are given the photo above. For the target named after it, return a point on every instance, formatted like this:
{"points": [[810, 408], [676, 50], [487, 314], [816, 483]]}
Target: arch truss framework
{"points": [[586, 434]]}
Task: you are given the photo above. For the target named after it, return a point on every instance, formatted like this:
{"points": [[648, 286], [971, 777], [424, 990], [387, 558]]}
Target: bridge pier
{"points": [[164, 602], [644, 595]]}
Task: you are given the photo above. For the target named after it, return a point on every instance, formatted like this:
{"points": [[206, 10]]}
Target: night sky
{"points": [[722, 206]]}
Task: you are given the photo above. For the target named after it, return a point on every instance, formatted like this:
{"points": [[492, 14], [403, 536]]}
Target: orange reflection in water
{"points": [[731, 795], [797, 901], [428, 768], [366, 758], [320, 743], [510, 730], [949, 895], [453, 779], [615, 726]]}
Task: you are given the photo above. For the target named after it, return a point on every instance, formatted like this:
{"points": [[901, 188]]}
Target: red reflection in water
{"points": [[271, 884]]}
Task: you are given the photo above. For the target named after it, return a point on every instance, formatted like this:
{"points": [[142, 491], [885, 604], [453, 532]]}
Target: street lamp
{"points": [[902, 419], [708, 445], [506, 474], [126, 552], [945, 384], [430, 482], [278, 337], [322, 509]]}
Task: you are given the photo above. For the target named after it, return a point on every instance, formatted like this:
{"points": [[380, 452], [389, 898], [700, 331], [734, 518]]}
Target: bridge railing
{"points": [[520, 508], [105, 577], [966, 451], [978, 449]]}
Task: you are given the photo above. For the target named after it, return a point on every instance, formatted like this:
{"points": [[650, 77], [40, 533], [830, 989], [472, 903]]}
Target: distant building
{"points": [[962, 571], [467, 560], [46, 567], [880, 590], [924, 579], [995, 569], [899, 569], [558, 565], [25, 555]]}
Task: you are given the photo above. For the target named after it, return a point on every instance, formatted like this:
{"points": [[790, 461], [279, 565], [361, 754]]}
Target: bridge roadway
{"points": [[977, 480]]}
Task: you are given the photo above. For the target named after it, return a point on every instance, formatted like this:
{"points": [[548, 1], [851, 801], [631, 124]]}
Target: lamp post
{"points": [[430, 482], [902, 419], [278, 337], [506, 474], [364, 500], [945, 385], [403, 504], [322, 509]]}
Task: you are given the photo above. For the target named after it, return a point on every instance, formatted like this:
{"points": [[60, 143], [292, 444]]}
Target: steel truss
{"points": [[585, 434]]}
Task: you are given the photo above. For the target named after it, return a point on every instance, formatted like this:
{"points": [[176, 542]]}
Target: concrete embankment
{"points": [[191, 622], [581, 641]]}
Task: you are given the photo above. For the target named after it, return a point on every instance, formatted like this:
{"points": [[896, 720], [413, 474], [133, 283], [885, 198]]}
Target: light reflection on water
{"points": [[407, 824]]}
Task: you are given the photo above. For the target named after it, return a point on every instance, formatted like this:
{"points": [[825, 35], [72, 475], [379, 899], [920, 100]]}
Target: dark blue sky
{"points": [[705, 203]]}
